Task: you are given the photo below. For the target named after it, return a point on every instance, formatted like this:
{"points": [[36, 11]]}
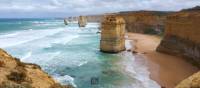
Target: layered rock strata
{"points": [[182, 36], [148, 22], [16, 74], [112, 34], [82, 21], [95, 18]]}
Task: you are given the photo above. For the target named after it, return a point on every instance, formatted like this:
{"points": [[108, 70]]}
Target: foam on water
{"points": [[26, 56], [71, 55], [25, 36], [66, 79], [9, 35]]}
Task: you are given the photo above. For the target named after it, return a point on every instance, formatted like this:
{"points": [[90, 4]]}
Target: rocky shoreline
{"points": [[16, 74]]}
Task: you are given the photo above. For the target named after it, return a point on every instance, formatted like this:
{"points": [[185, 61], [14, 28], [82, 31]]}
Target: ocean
{"points": [[71, 54]]}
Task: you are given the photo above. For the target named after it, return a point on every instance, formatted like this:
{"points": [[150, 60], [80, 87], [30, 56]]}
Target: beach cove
{"points": [[165, 69]]}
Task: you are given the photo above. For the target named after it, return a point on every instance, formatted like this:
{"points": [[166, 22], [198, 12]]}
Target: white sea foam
{"points": [[27, 55], [65, 80], [136, 69], [25, 36], [33, 42], [65, 40], [82, 63], [9, 35], [128, 44]]}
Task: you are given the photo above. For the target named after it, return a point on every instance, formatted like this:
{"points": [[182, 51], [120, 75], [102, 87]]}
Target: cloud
{"points": [[46, 8]]}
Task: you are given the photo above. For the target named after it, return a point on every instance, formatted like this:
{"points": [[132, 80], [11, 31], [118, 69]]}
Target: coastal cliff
{"points": [[16, 74], [182, 36], [95, 18], [150, 22]]}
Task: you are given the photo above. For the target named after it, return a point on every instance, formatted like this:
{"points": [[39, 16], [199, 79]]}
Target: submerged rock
{"points": [[112, 34], [16, 74]]}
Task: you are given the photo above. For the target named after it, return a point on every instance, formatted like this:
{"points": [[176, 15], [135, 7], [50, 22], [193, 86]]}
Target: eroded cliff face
{"points": [[150, 22], [16, 74], [95, 18], [182, 35], [191, 82]]}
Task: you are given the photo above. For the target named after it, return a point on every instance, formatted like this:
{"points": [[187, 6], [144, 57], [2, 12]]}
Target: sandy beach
{"points": [[167, 70]]}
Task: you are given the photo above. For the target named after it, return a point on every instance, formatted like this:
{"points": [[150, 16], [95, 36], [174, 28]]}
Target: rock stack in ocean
{"points": [[182, 35], [65, 21], [112, 34], [82, 21]]}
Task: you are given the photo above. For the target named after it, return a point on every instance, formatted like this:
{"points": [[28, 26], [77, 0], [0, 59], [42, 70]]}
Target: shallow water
{"points": [[71, 54]]}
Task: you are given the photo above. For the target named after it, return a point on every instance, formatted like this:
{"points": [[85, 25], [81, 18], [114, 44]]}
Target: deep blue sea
{"points": [[71, 54]]}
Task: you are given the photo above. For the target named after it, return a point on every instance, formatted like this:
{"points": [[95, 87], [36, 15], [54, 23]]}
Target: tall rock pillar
{"points": [[82, 21], [112, 34], [65, 21]]}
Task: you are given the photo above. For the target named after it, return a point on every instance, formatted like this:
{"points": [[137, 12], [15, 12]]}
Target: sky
{"points": [[64, 8]]}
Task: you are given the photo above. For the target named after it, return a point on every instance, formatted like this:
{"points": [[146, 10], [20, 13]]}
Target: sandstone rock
{"points": [[72, 19], [65, 21], [134, 52], [15, 74], [112, 34], [82, 21], [182, 36], [129, 50], [94, 18], [191, 82], [148, 22]]}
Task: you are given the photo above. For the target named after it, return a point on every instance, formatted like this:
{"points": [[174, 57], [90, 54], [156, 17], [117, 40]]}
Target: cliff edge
{"points": [[182, 36], [148, 22], [16, 74]]}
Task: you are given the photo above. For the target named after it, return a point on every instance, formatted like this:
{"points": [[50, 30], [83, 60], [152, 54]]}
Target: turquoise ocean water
{"points": [[71, 54]]}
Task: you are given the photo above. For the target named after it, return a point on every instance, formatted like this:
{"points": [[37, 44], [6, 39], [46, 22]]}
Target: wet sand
{"points": [[166, 70]]}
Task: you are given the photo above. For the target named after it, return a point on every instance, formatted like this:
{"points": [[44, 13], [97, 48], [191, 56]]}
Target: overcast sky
{"points": [[63, 8]]}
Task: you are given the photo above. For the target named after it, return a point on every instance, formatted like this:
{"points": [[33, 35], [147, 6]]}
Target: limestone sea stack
{"points": [[16, 74], [182, 35], [82, 21], [112, 34], [66, 21]]}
